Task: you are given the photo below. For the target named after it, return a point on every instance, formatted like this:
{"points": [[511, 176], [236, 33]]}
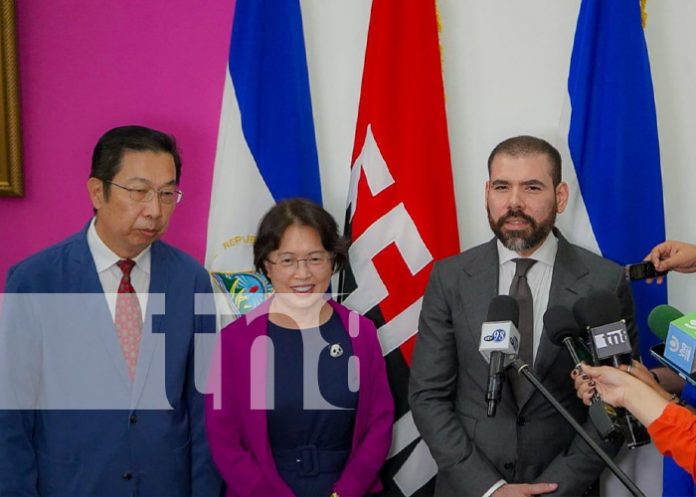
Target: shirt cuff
{"points": [[494, 487]]}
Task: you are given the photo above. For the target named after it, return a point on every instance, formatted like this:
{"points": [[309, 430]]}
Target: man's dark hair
{"points": [[304, 213], [518, 146], [109, 151]]}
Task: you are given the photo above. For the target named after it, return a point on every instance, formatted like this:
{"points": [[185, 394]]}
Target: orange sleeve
{"points": [[674, 434]]}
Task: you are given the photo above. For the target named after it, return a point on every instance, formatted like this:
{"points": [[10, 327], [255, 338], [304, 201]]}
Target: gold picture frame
{"points": [[11, 175]]}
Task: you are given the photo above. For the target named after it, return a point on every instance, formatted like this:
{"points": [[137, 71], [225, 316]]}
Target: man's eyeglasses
{"points": [[166, 195], [291, 261]]}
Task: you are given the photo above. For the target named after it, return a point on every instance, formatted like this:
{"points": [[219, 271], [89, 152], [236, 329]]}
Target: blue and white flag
{"points": [[266, 147], [613, 169], [614, 147]]}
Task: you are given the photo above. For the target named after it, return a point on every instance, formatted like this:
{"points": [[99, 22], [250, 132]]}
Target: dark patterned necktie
{"points": [[519, 289], [128, 318]]}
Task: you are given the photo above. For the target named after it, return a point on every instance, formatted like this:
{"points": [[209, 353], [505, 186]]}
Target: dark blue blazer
{"points": [[75, 424]]}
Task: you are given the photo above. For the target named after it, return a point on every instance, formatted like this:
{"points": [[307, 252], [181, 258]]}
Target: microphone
{"points": [[562, 330], [500, 342], [659, 319], [680, 343], [523, 369], [669, 324], [600, 314]]}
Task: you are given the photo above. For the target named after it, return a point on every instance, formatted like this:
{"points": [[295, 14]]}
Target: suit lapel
{"points": [[478, 286], [568, 270], [87, 281], [152, 323]]}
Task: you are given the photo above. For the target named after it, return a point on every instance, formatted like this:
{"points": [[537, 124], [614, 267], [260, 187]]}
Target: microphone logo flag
{"points": [[610, 340], [681, 342], [499, 336]]}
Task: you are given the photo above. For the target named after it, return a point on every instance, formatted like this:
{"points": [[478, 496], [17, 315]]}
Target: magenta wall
{"points": [[88, 66]]}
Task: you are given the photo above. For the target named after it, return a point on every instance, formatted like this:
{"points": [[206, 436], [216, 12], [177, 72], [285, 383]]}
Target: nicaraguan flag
{"points": [[613, 168], [614, 146], [266, 148]]}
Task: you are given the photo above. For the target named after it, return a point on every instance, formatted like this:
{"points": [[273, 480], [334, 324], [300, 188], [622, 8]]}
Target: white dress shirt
{"points": [[539, 278], [110, 274]]}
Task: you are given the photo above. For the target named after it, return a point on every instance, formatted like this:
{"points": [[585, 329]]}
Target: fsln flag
{"points": [[401, 212], [613, 142], [614, 151], [266, 148]]}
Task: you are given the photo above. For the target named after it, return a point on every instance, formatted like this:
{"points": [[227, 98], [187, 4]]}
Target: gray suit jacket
{"points": [[524, 443]]}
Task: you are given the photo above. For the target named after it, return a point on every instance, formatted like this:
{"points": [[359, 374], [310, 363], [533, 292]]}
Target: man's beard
{"points": [[525, 239]]}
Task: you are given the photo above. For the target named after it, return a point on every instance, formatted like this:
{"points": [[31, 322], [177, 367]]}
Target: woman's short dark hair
{"points": [[109, 150], [303, 212]]}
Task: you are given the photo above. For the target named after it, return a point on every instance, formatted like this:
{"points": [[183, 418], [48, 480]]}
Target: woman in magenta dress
{"points": [[305, 407]]}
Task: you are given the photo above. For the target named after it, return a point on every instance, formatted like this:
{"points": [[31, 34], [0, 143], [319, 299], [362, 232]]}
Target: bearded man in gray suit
{"points": [[527, 448]]}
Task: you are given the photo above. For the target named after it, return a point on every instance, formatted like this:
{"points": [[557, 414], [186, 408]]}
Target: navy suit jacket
{"points": [[75, 424]]}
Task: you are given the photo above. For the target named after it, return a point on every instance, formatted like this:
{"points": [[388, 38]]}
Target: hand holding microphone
{"points": [[600, 314], [563, 330], [586, 388], [659, 322], [502, 316], [621, 389]]}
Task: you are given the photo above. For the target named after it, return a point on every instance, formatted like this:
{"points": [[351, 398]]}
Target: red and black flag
{"points": [[401, 214]]}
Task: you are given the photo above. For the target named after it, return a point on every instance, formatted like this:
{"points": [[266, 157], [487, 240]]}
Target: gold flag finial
{"points": [[438, 19], [643, 13]]}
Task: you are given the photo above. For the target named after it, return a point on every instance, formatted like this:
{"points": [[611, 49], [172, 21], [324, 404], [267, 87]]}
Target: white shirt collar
{"points": [[546, 253], [104, 257]]}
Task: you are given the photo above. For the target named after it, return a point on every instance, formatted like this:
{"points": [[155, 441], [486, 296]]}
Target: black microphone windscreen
{"points": [[504, 308], [599, 307], [659, 319], [560, 324]]}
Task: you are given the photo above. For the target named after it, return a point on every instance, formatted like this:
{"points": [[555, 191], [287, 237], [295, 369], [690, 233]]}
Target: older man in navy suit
{"points": [[97, 373]]}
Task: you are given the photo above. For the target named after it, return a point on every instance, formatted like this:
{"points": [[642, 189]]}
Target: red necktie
{"points": [[128, 318]]}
